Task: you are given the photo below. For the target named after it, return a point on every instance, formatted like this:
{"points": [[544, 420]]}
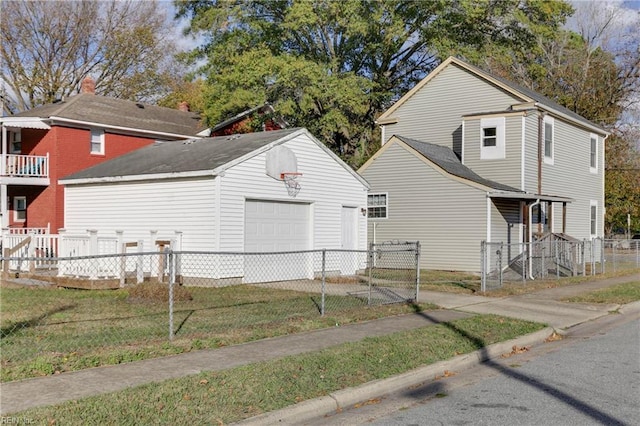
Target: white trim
{"points": [[125, 129], [24, 123], [134, 178], [550, 120], [462, 144], [593, 203], [496, 152], [594, 169], [523, 147], [382, 134]]}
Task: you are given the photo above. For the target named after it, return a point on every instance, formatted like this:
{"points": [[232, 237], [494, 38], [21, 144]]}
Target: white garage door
{"points": [[274, 226]]}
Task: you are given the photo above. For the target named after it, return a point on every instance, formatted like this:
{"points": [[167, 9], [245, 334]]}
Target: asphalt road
{"points": [[591, 377]]}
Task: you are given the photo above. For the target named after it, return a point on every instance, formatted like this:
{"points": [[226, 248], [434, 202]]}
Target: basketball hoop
{"points": [[291, 182]]}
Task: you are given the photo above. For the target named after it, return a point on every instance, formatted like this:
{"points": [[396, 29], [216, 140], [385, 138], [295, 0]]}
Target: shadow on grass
{"points": [[548, 389], [19, 326]]}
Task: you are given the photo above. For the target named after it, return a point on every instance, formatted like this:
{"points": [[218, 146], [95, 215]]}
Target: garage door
{"points": [[274, 226]]}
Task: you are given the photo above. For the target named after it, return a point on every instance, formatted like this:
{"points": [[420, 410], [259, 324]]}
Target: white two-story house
{"points": [[467, 156]]}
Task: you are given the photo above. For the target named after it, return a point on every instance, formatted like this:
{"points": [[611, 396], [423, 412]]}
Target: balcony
{"points": [[24, 169]]}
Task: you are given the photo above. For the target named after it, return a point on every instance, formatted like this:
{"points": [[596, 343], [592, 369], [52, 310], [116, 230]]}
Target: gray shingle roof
{"points": [[446, 159], [102, 110], [183, 156]]}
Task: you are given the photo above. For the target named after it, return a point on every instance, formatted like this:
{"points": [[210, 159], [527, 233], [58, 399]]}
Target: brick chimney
{"points": [[88, 85], [184, 106]]}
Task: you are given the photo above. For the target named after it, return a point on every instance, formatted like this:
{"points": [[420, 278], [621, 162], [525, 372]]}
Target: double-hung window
{"points": [[492, 135], [377, 206], [15, 141], [19, 209], [97, 141], [593, 154], [548, 139]]}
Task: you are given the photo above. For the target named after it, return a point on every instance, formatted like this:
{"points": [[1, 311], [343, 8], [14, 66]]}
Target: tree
{"points": [[335, 66], [49, 47]]}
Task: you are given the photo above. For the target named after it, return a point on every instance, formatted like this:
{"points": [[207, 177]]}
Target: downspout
{"points": [[537, 202]]}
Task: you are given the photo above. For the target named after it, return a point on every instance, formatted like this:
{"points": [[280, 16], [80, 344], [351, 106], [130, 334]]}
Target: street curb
{"points": [[325, 405]]}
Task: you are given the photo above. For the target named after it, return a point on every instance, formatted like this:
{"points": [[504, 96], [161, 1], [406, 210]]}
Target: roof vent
{"points": [[140, 106], [233, 137]]}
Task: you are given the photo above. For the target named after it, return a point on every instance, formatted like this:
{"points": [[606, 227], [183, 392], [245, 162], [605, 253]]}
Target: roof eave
{"points": [[139, 177]]}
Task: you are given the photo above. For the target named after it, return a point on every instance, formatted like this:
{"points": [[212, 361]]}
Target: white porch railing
{"points": [[78, 255], [16, 165], [27, 231]]}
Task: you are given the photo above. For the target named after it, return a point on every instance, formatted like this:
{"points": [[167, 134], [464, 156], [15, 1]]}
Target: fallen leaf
{"points": [[186, 397], [515, 350], [204, 381], [448, 373], [554, 337]]}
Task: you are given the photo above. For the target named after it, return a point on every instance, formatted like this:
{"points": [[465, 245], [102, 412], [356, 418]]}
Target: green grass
{"points": [[227, 396], [48, 330], [620, 294]]}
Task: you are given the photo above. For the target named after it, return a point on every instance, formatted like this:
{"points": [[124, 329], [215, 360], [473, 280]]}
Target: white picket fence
{"points": [[74, 255]]}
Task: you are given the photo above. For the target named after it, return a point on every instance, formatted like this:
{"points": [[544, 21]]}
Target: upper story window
{"points": [[549, 129], [593, 154], [97, 141], [492, 135], [377, 206], [19, 209], [15, 142]]}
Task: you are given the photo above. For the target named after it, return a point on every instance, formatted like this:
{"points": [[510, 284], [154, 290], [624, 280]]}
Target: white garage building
{"points": [[226, 194]]}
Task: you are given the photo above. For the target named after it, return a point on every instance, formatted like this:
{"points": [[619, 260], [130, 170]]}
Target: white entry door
{"points": [[275, 226]]}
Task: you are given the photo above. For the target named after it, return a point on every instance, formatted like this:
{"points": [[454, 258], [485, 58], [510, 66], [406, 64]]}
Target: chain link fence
{"points": [[554, 259], [157, 303]]}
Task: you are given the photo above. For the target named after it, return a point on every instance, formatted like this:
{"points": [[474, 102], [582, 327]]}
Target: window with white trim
{"points": [[593, 154], [548, 139], [593, 218], [492, 135], [19, 209], [377, 206], [15, 142], [97, 141]]}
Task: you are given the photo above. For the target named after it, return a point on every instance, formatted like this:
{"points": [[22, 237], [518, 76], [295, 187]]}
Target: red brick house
{"points": [[44, 144], [260, 118]]}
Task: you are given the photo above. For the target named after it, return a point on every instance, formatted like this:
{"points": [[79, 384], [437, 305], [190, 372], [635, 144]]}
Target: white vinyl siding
{"points": [[447, 217], [492, 138], [504, 168], [434, 113], [137, 208]]}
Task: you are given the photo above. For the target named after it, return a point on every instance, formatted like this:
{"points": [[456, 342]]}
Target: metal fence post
{"points": [[417, 270], [584, 262], [324, 260], [557, 260], [172, 279], [500, 283], [483, 267]]}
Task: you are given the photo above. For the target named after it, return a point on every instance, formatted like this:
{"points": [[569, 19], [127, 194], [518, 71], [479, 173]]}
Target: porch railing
{"points": [[16, 165]]}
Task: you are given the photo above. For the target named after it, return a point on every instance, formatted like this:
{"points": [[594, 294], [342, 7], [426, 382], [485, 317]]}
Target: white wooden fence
{"points": [[74, 255]]}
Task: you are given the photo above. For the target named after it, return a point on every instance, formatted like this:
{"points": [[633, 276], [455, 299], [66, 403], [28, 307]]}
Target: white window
{"points": [[15, 142], [548, 139], [594, 218], [593, 154], [97, 141], [377, 206], [19, 209], [492, 138]]}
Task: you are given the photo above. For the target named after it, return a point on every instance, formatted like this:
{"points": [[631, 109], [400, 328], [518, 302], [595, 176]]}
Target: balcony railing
{"points": [[28, 166]]}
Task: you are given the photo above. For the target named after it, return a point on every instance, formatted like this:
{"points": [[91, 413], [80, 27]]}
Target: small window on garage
{"points": [[19, 209], [377, 206]]}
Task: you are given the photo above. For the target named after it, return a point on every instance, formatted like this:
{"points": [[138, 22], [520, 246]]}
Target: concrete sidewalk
{"points": [[541, 306]]}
